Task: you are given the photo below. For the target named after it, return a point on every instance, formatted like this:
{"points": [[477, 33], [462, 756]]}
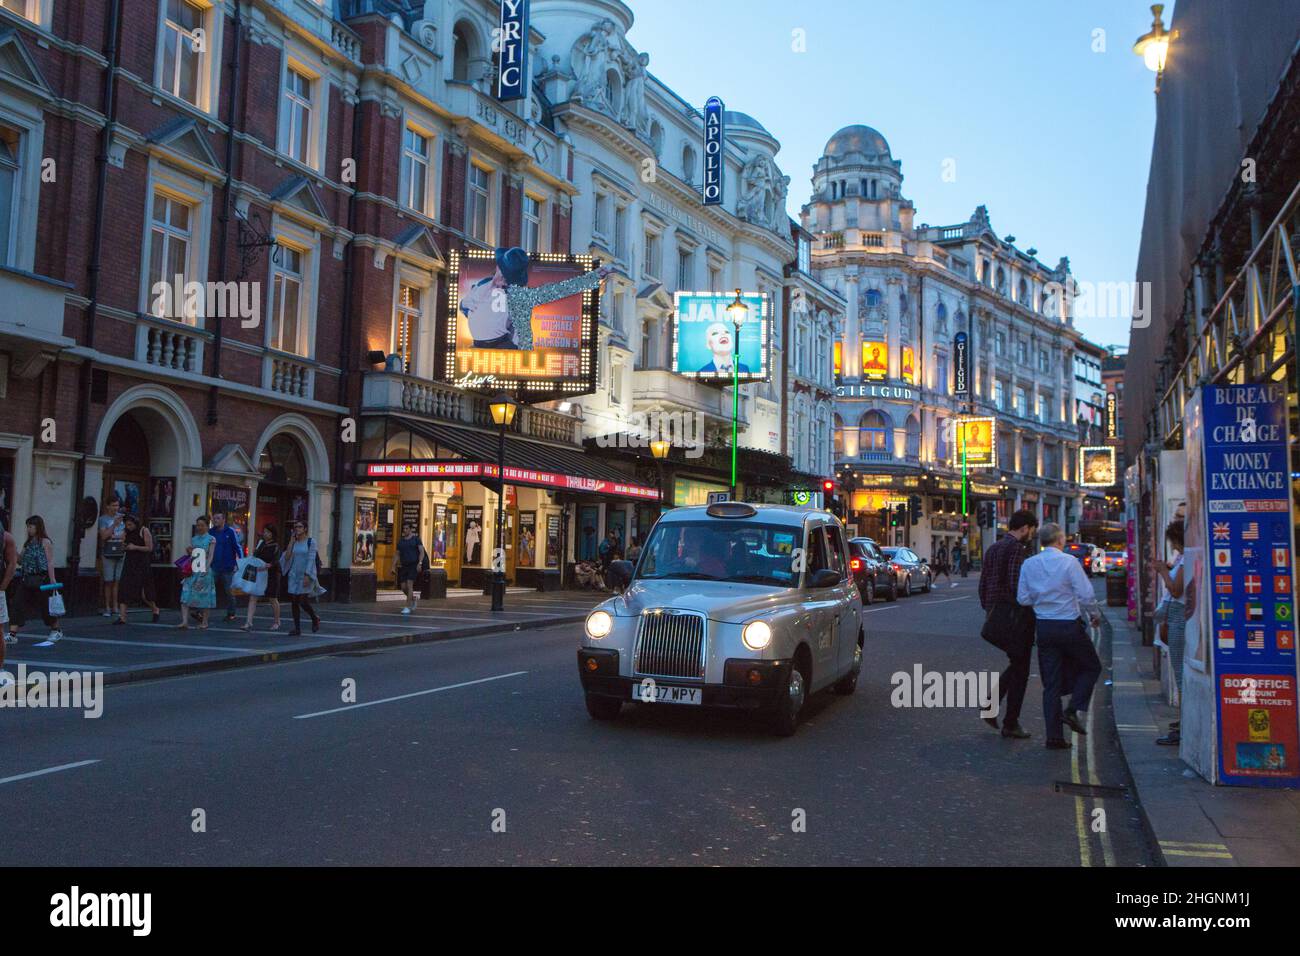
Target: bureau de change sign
{"points": [[1239, 568]]}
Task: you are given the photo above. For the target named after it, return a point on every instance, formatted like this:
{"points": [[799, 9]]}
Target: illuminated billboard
{"points": [[977, 442], [909, 365], [520, 323], [704, 336], [1097, 466], [875, 360]]}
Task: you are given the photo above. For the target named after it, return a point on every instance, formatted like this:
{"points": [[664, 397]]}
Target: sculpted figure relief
{"points": [[763, 193], [597, 52]]}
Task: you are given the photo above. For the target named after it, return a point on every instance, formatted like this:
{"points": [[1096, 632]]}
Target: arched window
{"points": [[1002, 280], [941, 314], [688, 164], [1022, 294], [839, 438], [657, 138], [913, 439], [875, 433], [873, 298], [941, 440], [464, 46]]}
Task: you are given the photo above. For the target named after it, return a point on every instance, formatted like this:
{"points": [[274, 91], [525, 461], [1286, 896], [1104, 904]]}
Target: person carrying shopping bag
{"points": [[299, 564], [34, 585], [200, 589], [268, 552]]}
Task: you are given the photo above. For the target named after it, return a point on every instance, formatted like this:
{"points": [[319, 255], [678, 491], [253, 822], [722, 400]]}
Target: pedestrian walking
{"points": [[200, 589], [226, 553], [8, 568], [137, 570], [1008, 625], [634, 549], [112, 551], [1057, 588], [35, 570], [410, 556], [607, 551], [268, 552], [941, 565], [1172, 613], [299, 564]]}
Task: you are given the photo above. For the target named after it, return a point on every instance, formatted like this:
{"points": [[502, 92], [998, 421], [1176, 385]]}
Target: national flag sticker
{"points": [[1255, 639], [1281, 557], [1281, 584], [1254, 611], [1227, 640], [1286, 640], [1254, 584], [1222, 531], [1282, 612], [1223, 557], [1250, 531], [1224, 610], [1223, 584]]}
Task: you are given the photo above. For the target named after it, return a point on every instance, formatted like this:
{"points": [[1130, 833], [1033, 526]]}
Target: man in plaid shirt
{"points": [[1008, 626]]}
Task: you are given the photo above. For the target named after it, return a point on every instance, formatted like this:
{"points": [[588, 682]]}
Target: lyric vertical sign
{"points": [[714, 159], [512, 48]]}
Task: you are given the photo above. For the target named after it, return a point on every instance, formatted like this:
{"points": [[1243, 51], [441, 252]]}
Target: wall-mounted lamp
{"points": [[1153, 46]]}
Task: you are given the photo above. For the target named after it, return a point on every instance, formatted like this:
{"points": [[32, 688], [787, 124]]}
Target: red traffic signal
{"points": [[828, 486]]}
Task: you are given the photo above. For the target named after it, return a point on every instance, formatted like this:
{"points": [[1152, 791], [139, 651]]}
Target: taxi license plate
{"points": [[661, 694]]}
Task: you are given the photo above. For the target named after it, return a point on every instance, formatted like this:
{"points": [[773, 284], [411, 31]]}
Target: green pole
{"points": [[963, 471]]}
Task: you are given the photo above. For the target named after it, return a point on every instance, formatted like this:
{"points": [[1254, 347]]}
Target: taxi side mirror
{"points": [[825, 578]]}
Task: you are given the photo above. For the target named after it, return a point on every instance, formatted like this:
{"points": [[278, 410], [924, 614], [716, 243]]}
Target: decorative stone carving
{"points": [[610, 76], [763, 193]]}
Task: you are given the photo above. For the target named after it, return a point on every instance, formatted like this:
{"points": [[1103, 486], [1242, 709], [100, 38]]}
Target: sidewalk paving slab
{"points": [[1194, 822], [141, 650]]}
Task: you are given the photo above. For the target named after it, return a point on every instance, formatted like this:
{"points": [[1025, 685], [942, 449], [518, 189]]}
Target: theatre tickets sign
{"points": [[1240, 583]]}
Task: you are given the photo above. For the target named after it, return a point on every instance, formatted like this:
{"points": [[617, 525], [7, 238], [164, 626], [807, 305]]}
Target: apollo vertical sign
{"points": [[714, 158], [511, 47], [961, 367]]}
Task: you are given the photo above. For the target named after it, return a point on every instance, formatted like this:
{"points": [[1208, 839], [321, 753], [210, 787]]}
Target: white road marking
{"points": [[887, 607], [947, 600], [41, 773], [418, 693], [184, 647]]}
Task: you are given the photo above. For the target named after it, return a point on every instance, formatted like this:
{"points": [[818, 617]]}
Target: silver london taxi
{"points": [[730, 605]]}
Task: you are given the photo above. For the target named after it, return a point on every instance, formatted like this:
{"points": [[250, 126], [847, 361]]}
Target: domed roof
{"points": [[856, 139], [736, 118]]}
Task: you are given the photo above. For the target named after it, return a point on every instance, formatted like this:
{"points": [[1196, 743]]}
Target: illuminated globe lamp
{"points": [[737, 312], [1153, 46], [503, 409], [660, 448]]}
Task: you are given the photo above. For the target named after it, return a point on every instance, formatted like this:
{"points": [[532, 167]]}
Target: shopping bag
{"points": [[185, 566], [250, 577], [56, 607]]}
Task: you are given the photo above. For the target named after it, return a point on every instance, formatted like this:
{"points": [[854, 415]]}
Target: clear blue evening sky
{"points": [[1054, 138]]}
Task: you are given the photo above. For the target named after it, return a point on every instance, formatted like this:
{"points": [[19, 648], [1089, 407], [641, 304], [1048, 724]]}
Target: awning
{"points": [[527, 462]]}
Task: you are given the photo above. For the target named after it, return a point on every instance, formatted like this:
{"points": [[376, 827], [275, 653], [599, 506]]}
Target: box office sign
{"points": [[1240, 601], [704, 336], [525, 326]]}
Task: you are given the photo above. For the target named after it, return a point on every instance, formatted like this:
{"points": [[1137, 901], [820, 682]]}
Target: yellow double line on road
{"points": [[1081, 815], [1207, 851]]}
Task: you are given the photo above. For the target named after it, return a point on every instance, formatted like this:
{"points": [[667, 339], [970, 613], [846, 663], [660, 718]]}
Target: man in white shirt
{"points": [[1054, 584]]}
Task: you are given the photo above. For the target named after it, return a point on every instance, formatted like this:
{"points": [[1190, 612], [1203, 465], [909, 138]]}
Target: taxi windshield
{"points": [[721, 550]]}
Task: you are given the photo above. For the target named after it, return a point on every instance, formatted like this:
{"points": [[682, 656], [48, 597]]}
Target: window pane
{"points": [[8, 181]]}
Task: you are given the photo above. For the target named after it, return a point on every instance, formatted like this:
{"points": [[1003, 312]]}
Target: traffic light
{"points": [[981, 516], [883, 514], [900, 515], [914, 506]]}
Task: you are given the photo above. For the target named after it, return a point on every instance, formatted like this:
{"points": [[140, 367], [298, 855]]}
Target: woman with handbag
{"points": [[112, 550], [268, 552], [200, 588], [35, 570], [137, 569], [298, 562]]}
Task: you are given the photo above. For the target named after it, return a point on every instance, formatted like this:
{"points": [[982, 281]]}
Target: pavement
{"points": [[479, 751], [141, 650], [1193, 822]]}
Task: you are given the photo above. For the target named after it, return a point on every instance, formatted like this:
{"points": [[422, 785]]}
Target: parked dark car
{"points": [[872, 571], [913, 573], [1081, 552]]}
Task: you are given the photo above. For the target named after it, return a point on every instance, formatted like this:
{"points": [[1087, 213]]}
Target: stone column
{"points": [[893, 336], [851, 360]]}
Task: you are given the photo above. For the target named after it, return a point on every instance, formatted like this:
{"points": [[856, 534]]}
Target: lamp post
{"points": [[659, 448], [737, 312], [503, 413], [1153, 46]]}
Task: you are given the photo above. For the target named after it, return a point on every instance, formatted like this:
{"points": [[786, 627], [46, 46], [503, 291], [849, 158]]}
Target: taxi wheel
{"points": [[928, 583], [785, 718], [849, 682], [893, 591], [603, 708]]}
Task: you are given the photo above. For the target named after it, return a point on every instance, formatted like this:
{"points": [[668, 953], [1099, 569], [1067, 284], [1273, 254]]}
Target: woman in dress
{"points": [[200, 589], [35, 568], [268, 552], [299, 566], [137, 570]]}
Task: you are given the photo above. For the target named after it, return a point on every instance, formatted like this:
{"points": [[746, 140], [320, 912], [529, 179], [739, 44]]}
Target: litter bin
{"points": [[1117, 588], [435, 584]]}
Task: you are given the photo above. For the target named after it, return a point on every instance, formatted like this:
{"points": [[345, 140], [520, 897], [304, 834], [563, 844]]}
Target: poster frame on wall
{"points": [[472, 550], [1090, 452], [364, 523], [878, 372], [525, 388], [691, 304], [962, 422]]}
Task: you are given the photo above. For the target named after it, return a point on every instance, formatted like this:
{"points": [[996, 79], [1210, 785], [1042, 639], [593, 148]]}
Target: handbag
{"points": [[999, 626], [114, 548], [185, 565], [55, 606]]}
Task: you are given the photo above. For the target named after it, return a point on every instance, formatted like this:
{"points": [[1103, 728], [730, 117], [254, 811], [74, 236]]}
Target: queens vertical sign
{"points": [[714, 158], [511, 47]]}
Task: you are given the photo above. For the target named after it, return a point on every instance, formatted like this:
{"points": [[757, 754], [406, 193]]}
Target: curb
{"points": [[185, 668]]}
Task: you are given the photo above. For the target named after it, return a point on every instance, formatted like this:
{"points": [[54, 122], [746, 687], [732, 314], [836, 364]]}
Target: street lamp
{"points": [[659, 448], [503, 413], [737, 312], [1153, 46]]}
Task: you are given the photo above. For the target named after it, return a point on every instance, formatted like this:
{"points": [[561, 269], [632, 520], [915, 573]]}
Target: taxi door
{"points": [[820, 607], [848, 613]]}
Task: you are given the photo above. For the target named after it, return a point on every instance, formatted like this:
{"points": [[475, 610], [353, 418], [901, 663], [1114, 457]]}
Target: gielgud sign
{"points": [[1239, 710], [520, 323]]}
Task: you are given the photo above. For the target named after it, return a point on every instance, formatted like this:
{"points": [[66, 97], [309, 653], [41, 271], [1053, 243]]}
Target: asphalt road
{"points": [[448, 739]]}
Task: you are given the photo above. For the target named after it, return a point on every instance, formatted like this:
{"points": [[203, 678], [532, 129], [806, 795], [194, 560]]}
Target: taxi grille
{"points": [[670, 644]]}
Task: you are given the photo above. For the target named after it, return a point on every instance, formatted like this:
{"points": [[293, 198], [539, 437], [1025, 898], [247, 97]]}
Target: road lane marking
{"points": [[1199, 854], [418, 693], [1107, 851], [887, 607], [948, 600], [184, 647], [1080, 822], [47, 770], [1194, 846]]}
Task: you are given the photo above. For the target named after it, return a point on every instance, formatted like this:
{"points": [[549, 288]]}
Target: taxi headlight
{"points": [[599, 624], [756, 635]]}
